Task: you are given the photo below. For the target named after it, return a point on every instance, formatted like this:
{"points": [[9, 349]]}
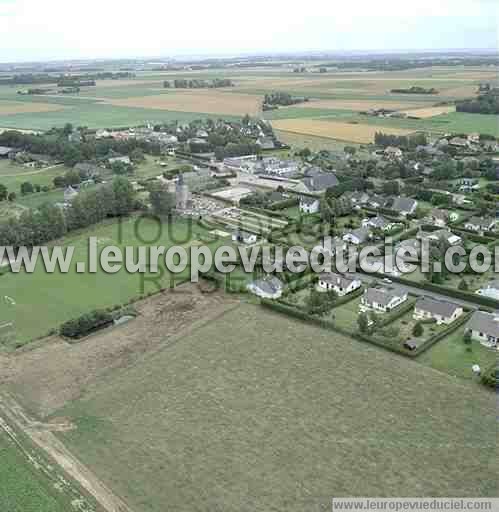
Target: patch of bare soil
{"points": [[45, 378]]}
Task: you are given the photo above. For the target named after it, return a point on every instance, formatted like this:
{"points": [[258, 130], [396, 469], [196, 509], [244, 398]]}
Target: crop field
{"points": [[209, 102], [430, 111], [37, 302], [19, 107], [280, 417], [360, 133], [23, 488], [335, 95]]}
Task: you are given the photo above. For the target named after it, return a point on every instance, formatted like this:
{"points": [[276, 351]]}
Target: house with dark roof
{"points": [[318, 183], [339, 283], [404, 205], [442, 312], [484, 328], [382, 300], [309, 204]]}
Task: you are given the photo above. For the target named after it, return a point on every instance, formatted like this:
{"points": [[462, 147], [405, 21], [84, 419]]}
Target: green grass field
{"points": [[281, 417], [43, 301], [23, 488], [12, 175]]}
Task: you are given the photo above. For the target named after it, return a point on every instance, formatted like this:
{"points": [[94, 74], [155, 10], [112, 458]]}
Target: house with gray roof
{"points": [[342, 284], [484, 328], [491, 290], [5, 151], [404, 205], [318, 183], [378, 222], [480, 224], [309, 204], [382, 300], [357, 236], [442, 312], [269, 287]]}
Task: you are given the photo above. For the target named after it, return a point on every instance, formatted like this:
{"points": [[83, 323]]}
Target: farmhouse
{"points": [[491, 290], [339, 283], [484, 327], [309, 204], [357, 236], [441, 311], [405, 206], [480, 224], [382, 299], [244, 237], [269, 287]]}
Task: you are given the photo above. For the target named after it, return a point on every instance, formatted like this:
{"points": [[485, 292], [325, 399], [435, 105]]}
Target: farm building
{"points": [[441, 311]]}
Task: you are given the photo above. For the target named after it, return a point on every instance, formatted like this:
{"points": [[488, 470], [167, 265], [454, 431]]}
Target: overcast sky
{"points": [[62, 29]]}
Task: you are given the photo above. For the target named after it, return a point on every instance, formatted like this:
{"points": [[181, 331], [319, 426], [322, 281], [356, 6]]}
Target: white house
{"points": [[480, 224], [69, 194], [490, 290], [357, 236], [244, 237], [269, 287], [484, 328], [378, 223], [441, 311], [341, 284], [309, 204], [382, 300]]}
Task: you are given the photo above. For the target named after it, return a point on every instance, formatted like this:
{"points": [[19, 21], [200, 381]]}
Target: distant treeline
{"points": [[46, 78], [182, 83], [484, 104], [400, 141], [415, 90]]}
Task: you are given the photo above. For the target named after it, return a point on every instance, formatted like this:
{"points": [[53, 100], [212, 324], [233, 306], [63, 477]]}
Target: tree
{"points": [[137, 155], [3, 192], [418, 330], [467, 337], [12, 197], [463, 286], [363, 322], [319, 303], [350, 150], [27, 188], [124, 196], [162, 201]]}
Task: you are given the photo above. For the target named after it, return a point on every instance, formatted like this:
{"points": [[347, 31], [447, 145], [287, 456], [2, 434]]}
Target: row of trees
{"points": [[483, 104], [400, 141], [182, 83], [49, 221]]}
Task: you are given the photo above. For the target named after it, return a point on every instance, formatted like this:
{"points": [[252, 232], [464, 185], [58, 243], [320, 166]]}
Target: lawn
{"points": [[42, 301], [24, 488], [453, 356], [12, 175], [258, 412]]}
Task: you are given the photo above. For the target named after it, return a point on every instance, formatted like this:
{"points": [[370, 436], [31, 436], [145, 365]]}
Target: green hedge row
{"points": [[398, 313], [86, 324]]}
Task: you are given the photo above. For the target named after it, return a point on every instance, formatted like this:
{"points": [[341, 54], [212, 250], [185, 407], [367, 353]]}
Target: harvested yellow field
{"points": [[430, 111], [20, 107], [126, 82], [207, 102], [360, 133], [357, 104]]}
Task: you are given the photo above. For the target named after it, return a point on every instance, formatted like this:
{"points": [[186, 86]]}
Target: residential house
{"points": [[458, 142], [309, 204], [414, 343], [377, 201], [319, 183], [440, 235], [404, 206], [87, 169], [442, 312], [484, 328], [269, 287], [357, 236], [266, 143], [490, 290], [358, 198], [382, 300], [339, 283], [439, 217], [244, 237], [378, 223], [69, 194], [480, 224], [393, 152], [5, 151]]}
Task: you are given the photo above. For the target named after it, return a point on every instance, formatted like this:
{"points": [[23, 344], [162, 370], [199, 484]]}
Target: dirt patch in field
{"points": [[357, 104], [207, 102], [360, 133], [430, 111], [19, 107], [47, 377]]}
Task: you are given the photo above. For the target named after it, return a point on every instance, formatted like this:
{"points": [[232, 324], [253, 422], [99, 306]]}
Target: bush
{"points": [[86, 324], [418, 330]]}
